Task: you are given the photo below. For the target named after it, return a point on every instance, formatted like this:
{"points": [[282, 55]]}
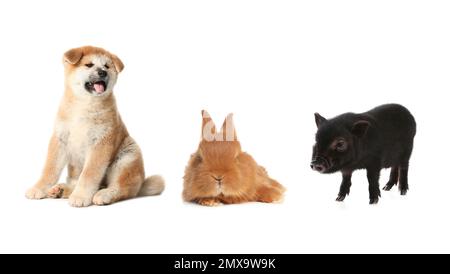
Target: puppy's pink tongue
{"points": [[99, 88]]}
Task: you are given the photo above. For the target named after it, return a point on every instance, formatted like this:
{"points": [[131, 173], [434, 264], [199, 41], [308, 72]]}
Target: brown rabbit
{"points": [[219, 172]]}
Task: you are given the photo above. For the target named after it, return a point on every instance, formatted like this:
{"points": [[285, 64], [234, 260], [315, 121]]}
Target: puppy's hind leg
{"points": [[393, 178], [124, 180]]}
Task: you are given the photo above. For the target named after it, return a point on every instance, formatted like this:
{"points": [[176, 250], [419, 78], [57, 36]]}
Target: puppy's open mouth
{"points": [[98, 87]]}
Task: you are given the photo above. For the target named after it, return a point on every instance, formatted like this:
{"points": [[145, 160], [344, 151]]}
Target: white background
{"points": [[272, 63]]}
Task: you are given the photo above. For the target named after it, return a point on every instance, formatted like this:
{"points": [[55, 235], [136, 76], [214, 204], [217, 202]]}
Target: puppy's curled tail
{"points": [[153, 185]]}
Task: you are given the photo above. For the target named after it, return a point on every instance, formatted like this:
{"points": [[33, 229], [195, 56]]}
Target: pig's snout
{"points": [[317, 166]]}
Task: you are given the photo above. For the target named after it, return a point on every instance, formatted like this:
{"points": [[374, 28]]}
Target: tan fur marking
{"points": [[90, 137]]}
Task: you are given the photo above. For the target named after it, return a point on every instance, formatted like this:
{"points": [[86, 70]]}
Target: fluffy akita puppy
{"points": [[104, 163]]}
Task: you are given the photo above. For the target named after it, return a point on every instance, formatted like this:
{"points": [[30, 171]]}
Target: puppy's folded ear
{"points": [[117, 63], [73, 56]]}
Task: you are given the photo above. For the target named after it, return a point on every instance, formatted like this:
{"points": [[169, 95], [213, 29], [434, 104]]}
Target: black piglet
{"points": [[380, 138]]}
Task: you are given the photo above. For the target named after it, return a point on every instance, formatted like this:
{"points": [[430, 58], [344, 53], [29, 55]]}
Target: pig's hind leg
{"points": [[393, 178], [403, 171], [344, 190], [403, 181]]}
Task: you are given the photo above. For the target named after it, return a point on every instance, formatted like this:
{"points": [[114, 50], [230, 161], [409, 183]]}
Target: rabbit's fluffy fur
{"points": [[219, 172]]}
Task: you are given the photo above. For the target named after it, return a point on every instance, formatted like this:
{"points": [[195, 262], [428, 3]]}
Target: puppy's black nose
{"points": [[102, 73]]}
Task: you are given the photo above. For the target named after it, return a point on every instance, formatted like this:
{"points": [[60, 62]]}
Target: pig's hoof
{"points": [[373, 201], [388, 186], [341, 197]]}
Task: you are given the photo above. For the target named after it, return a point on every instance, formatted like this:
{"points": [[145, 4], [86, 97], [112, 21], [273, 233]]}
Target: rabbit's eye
{"points": [[198, 159]]}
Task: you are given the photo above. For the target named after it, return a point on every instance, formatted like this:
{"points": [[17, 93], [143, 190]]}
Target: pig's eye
{"points": [[341, 146]]}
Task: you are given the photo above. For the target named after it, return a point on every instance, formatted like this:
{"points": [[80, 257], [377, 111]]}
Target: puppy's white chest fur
{"points": [[81, 131]]}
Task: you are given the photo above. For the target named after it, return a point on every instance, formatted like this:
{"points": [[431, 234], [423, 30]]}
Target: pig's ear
{"points": [[319, 119], [360, 128]]}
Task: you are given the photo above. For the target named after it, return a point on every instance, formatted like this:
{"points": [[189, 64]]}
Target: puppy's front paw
{"points": [[35, 193], [105, 196], [208, 202], [80, 201]]}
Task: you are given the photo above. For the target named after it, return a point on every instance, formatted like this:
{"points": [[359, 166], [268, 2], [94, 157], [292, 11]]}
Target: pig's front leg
{"points": [[345, 185], [373, 176]]}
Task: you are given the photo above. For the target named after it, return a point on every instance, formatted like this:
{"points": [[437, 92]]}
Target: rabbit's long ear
{"points": [[228, 131], [208, 127]]}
